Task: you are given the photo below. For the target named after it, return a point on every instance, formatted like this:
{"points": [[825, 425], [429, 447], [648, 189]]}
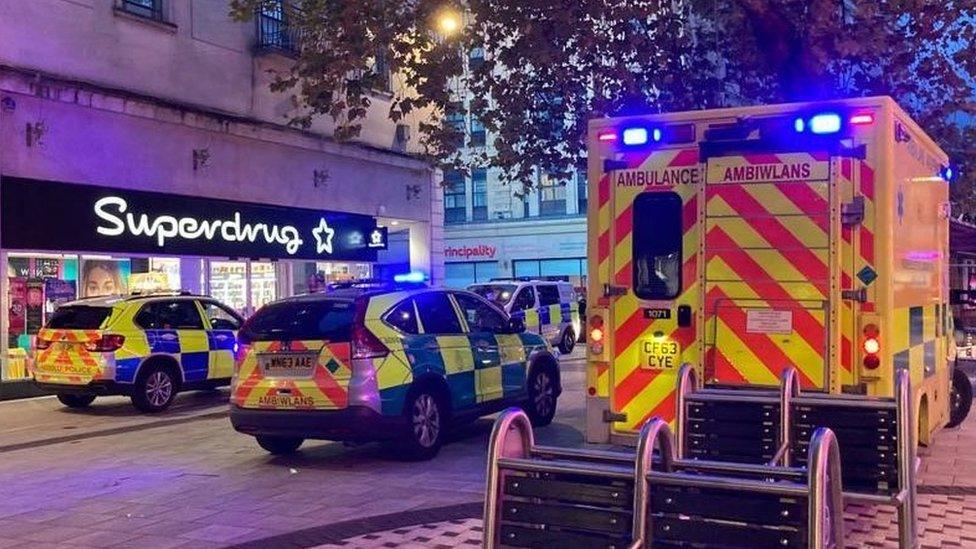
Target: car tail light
{"points": [[871, 346], [364, 343], [106, 344], [40, 343]]}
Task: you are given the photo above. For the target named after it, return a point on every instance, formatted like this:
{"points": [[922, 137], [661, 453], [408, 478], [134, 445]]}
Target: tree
{"points": [[550, 65]]}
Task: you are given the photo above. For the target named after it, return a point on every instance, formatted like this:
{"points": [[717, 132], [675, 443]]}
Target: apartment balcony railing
{"points": [[275, 32]]}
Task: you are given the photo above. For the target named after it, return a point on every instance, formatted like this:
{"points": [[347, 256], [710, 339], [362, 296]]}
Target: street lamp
{"points": [[448, 22]]}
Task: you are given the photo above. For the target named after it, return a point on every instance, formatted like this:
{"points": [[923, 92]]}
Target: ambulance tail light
{"points": [[365, 344], [607, 136], [596, 334], [871, 346], [863, 119], [106, 344]]}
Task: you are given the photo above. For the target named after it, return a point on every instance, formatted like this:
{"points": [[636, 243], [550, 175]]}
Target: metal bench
{"points": [[876, 436], [540, 497]]}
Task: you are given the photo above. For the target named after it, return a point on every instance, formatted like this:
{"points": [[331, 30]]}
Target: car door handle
{"points": [[221, 337]]}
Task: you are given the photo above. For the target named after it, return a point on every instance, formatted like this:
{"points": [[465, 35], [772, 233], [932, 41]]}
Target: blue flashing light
{"points": [[657, 135], [414, 277], [799, 125], [947, 173], [825, 123], [635, 136]]}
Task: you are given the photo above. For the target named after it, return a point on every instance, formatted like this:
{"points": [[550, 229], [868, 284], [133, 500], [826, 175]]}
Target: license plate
{"points": [[660, 354], [287, 364]]}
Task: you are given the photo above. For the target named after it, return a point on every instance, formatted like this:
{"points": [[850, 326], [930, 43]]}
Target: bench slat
{"points": [[760, 509], [619, 495], [568, 517], [520, 536], [685, 532]]}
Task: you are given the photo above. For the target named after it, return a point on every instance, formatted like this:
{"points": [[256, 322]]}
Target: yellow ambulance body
{"points": [[747, 240]]}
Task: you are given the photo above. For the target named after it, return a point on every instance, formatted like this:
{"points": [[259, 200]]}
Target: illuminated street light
{"points": [[448, 22]]}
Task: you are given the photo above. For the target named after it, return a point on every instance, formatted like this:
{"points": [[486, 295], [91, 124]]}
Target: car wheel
{"points": [[425, 426], [76, 401], [154, 390], [279, 446], [541, 406], [960, 398], [567, 342]]}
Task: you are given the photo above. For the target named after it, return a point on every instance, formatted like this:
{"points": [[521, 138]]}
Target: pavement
{"points": [[112, 477]]}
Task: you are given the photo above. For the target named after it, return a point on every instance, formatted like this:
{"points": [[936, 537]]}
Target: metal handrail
{"points": [[907, 509], [653, 432], [499, 446], [824, 483], [788, 387], [687, 383]]}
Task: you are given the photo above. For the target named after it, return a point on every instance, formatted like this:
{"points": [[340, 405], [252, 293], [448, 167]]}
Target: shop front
{"points": [[64, 241], [530, 249]]}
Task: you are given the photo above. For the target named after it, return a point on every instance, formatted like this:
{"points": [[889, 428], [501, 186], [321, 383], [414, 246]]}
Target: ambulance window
{"points": [[548, 294], [403, 317], [437, 314], [525, 299], [657, 245]]}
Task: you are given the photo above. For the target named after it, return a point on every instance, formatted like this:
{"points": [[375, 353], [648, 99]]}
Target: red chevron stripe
{"points": [[867, 181], [635, 382], [717, 366], [761, 345], [603, 190], [624, 223], [775, 233], [603, 247], [809, 328], [809, 202]]}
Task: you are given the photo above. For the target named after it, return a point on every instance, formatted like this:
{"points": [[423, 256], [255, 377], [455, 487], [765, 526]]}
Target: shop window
{"points": [[455, 198], [437, 315], [264, 284], [228, 283], [463, 274], [657, 245], [403, 317], [169, 315], [480, 316], [479, 194]]}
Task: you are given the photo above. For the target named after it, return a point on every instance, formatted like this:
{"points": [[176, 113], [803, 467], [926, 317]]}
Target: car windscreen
{"points": [[78, 317], [327, 319], [500, 294]]}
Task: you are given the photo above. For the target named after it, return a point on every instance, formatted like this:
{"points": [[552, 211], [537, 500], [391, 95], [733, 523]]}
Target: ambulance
{"points": [[747, 240]]}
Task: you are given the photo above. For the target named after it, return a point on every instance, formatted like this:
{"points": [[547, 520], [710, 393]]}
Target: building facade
{"points": [[497, 230], [141, 148]]}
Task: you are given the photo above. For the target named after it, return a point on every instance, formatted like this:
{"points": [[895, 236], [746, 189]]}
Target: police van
{"points": [[744, 241], [549, 308]]}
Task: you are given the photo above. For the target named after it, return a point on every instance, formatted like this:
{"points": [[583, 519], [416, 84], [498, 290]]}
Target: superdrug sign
{"points": [[47, 215]]}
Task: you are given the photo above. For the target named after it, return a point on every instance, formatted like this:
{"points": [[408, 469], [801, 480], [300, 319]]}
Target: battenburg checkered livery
{"points": [[385, 365], [148, 347], [746, 241]]}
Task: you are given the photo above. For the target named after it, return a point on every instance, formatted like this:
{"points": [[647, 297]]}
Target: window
{"points": [[582, 190], [221, 318], [476, 58], [455, 209], [481, 317], [77, 317], [552, 196], [381, 67], [524, 300], [454, 119], [403, 317], [274, 31], [479, 194], [150, 9], [477, 132], [460, 275], [548, 294], [657, 245], [301, 319], [437, 314], [170, 315], [499, 294]]}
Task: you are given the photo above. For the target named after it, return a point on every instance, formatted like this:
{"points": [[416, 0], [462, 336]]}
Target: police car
{"points": [[548, 308], [148, 347], [385, 365]]}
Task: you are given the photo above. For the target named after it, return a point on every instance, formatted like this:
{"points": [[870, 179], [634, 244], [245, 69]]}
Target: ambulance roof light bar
{"points": [[640, 135]]}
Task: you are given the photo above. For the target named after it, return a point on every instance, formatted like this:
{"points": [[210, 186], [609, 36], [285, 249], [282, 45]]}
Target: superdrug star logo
{"points": [[323, 237]]}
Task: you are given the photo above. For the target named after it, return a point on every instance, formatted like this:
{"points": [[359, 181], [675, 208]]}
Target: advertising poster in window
{"points": [[18, 304], [35, 305], [57, 292], [104, 277]]}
